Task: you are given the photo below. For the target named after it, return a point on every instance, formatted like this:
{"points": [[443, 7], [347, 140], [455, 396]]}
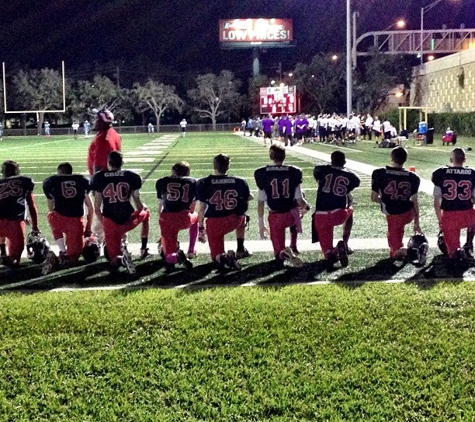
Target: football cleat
{"points": [[160, 249], [342, 253], [422, 254], [243, 254], [37, 247], [183, 260], [288, 255], [331, 258], [232, 262], [468, 249], [126, 261], [51, 262], [91, 251], [144, 253], [441, 244]]}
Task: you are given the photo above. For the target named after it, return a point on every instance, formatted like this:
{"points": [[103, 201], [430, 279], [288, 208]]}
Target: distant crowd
{"points": [[327, 128]]}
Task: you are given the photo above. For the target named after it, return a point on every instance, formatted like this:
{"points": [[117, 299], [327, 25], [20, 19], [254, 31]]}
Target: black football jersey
{"points": [[176, 193], [456, 185], [334, 185], [13, 193], [279, 183], [116, 188], [395, 187], [68, 193], [223, 195]]}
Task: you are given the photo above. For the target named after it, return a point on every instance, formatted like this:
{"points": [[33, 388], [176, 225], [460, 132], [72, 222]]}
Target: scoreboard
{"points": [[278, 100]]}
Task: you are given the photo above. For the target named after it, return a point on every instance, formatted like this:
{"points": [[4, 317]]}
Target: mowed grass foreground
{"points": [[337, 352], [379, 352]]}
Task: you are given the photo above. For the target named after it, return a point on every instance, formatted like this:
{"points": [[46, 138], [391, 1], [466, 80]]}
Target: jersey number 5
{"points": [[174, 194]]}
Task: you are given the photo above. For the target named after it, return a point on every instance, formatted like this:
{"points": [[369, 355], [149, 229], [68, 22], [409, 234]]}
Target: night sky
{"points": [[182, 36]]}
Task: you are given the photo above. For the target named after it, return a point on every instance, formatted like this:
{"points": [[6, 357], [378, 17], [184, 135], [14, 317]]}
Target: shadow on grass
{"points": [[384, 269], [442, 270], [151, 273]]}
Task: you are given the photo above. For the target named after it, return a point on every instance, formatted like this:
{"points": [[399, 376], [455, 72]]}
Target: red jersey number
{"points": [[119, 192], [452, 189], [175, 194], [398, 191], [10, 188], [338, 185], [224, 200]]}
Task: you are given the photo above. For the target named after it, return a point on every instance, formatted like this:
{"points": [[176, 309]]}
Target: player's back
{"points": [[334, 185], [13, 193], [456, 185], [279, 183], [395, 187], [224, 195], [68, 193], [116, 188], [176, 193]]}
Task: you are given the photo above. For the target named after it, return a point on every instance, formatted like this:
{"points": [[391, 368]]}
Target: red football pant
{"points": [[278, 222], [14, 232], [73, 229], [325, 221], [217, 228], [170, 225], [395, 233], [115, 232], [452, 223]]}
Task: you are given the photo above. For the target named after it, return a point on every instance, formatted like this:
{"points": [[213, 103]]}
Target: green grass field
{"points": [[341, 348]]}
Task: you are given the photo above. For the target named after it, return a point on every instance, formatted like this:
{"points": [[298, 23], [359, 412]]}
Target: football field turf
{"points": [[153, 156], [341, 348]]}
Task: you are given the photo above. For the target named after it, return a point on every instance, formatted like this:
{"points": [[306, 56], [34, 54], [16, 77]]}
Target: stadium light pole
{"points": [[349, 75]]}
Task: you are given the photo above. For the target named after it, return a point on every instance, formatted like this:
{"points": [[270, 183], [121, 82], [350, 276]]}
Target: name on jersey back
{"points": [[458, 171], [222, 181]]}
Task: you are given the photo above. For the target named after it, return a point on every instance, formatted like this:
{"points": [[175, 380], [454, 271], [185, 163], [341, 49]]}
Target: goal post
{"points": [[7, 111], [403, 114]]}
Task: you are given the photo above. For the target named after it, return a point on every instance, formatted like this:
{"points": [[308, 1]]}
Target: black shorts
{"points": [[268, 135]]}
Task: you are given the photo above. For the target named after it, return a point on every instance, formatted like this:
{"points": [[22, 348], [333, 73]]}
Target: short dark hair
{"points": [[221, 163], [181, 169], [399, 155], [458, 154], [277, 153], [115, 159], [338, 159], [65, 168], [10, 168]]}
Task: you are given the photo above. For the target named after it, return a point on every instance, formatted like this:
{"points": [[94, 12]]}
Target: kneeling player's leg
{"points": [[325, 232], [113, 238], [57, 225], [395, 234], [74, 238], [278, 223]]}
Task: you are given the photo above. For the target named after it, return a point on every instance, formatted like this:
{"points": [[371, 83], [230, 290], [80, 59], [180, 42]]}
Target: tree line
{"points": [[214, 98]]}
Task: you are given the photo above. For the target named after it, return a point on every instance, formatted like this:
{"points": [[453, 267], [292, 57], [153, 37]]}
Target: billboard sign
{"points": [[278, 100], [246, 33]]}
